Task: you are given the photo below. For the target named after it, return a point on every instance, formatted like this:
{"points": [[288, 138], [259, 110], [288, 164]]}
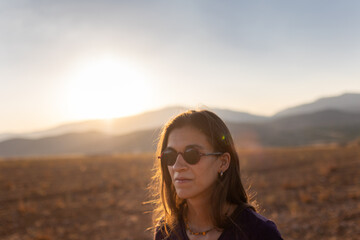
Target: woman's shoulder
{"points": [[254, 225]]}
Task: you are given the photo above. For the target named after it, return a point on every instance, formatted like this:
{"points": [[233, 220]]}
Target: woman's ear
{"points": [[225, 159]]}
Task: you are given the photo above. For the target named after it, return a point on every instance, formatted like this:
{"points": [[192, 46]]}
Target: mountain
{"points": [[328, 126], [89, 143], [349, 102], [327, 120], [323, 127], [124, 125], [4, 136]]}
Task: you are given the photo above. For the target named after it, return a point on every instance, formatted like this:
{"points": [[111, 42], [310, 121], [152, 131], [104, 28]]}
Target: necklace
{"points": [[197, 233]]}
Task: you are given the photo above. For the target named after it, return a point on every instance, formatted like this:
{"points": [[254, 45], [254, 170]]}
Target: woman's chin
{"points": [[183, 194]]}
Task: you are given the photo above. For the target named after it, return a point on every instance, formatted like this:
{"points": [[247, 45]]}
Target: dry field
{"points": [[311, 193]]}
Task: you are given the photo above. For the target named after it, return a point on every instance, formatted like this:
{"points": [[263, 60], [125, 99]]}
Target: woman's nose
{"points": [[180, 163]]}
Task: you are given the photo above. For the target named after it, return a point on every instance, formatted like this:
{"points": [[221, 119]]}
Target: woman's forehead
{"points": [[187, 135]]}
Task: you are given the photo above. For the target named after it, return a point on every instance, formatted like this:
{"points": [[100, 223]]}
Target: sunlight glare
{"points": [[107, 88]]}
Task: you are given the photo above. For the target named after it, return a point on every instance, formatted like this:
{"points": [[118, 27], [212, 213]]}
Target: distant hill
{"points": [[90, 143], [124, 125], [329, 126], [349, 102], [327, 120], [4, 136]]}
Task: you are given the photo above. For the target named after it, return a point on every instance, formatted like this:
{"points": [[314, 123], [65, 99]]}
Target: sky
{"points": [[63, 61]]}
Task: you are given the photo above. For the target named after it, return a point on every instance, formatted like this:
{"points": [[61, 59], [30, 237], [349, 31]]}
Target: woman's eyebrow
{"points": [[187, 147], [194, 146]]}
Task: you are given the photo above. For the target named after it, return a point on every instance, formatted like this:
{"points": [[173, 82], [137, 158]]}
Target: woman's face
{"points": [[192, 181]]}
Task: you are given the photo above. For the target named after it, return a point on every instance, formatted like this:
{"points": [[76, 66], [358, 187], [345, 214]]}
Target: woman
{"points": [[199, 190]]}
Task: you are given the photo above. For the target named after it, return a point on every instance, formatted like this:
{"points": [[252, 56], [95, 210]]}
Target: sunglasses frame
{"points": [[182, 154]]}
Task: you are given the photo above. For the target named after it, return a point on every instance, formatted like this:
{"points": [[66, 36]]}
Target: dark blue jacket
{"points": [[244, 224]]}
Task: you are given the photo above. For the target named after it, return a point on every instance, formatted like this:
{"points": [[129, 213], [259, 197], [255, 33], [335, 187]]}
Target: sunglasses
{"points": [[190, 155]]}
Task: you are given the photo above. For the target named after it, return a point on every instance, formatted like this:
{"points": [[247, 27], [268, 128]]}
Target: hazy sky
{"points": [[68, 60]]}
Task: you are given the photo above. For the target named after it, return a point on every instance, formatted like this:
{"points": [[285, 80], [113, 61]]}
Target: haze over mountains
{"points": [[349, 102], [327, 120], [143, 121]]}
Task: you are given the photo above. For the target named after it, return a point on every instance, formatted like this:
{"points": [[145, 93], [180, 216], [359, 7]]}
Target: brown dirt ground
{"points": [[310, 193]]}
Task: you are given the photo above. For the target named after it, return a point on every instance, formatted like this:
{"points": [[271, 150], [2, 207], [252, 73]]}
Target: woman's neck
{"points": [[198, 214]]}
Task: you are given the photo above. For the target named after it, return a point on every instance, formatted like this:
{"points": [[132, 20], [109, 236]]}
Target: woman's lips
{"points": [[182, 180]]}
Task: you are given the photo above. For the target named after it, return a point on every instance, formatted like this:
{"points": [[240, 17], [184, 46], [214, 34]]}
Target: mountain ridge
{"points": [[337, 120], [156, 118], [349, 102], [124, 125], [301, 130]]}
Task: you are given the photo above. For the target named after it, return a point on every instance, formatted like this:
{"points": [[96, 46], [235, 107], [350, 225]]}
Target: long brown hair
{"points": [[228, 189]]}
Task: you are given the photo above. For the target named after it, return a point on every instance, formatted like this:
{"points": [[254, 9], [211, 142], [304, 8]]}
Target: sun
{"points": [[107, 88]]}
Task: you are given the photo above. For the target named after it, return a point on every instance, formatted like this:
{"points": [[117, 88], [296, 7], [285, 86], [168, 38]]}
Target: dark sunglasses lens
{"points": [[192, 156], [169, 157]]}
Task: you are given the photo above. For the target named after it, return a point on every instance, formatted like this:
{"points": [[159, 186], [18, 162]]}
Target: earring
{"points": [[221, 173]]}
